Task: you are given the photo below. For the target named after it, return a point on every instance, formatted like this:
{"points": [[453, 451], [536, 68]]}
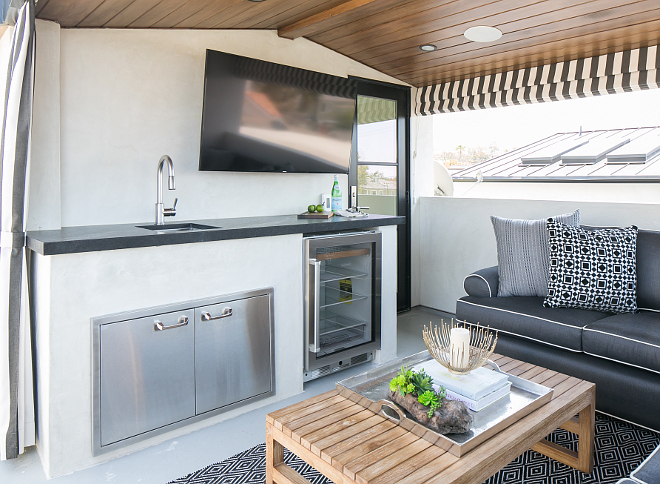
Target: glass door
{"points": [[377, 160], [342, 298], [345, 297], [379, 173]]}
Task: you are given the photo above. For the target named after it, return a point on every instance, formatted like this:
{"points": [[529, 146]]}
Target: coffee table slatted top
{"points": [[350, 444]]}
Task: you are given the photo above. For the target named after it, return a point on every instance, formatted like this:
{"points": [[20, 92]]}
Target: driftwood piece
{"points": [[453, 417]]}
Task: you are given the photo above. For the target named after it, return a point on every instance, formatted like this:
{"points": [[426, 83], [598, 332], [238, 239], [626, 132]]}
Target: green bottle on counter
{"points": [[335, 202]]}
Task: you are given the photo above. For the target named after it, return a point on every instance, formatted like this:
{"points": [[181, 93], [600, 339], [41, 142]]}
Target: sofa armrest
{"points": [[482, 283]]}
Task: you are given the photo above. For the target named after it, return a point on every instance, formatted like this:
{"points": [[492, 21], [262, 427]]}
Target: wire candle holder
{"points": [[438, 342]]}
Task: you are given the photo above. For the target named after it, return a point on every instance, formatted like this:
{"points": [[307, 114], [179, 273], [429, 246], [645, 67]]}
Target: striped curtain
{"points": [[629, 70], [16, 391]]}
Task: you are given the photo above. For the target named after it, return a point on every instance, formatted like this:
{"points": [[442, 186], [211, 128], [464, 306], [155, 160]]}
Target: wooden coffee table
{"points": [[350, 444]]}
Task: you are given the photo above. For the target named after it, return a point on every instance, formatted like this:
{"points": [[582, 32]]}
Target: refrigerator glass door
{"points": [[343, 296]]}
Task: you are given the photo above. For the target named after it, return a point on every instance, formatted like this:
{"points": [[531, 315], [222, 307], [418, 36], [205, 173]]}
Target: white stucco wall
{"points": [[388, 295], [456, 235], [44, 191], [82, 286], [587, 192], [71, 289], [421, 185], [115, 101]]}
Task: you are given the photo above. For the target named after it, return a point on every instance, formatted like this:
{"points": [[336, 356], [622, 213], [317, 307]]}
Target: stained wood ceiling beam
{"points": [[312, 24]]}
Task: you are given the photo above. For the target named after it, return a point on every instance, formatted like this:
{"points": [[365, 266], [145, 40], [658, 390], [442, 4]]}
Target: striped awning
{"points": [[374, 110], [282, 75], [629, 70]]}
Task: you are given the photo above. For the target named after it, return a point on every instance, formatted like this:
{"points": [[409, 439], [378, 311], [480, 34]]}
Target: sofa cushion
{"points": [[526, 317], [523, 253], [592, 269], [648, 269], [633, 339]]}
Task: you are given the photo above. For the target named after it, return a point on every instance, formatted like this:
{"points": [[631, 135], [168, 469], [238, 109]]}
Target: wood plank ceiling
{"points": [[386, 34]]}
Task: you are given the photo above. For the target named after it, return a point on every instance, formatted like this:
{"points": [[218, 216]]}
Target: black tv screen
{"points": [[264, 117]]}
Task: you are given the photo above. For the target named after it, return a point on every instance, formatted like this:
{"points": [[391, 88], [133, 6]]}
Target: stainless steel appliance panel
{"points": [[232, 352], [147, 374]]}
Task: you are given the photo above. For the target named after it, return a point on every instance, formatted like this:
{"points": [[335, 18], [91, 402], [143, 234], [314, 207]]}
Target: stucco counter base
{"points": [[70, 289]]}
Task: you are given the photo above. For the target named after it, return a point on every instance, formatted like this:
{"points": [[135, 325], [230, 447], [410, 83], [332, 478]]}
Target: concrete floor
{"points": [[180, 456]]}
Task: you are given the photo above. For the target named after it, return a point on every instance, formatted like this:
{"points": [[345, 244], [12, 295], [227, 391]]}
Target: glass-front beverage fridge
{"points": [[342, 283]]}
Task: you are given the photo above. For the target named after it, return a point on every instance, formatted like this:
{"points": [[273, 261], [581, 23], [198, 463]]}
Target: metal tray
{"points": [[370, 390]]}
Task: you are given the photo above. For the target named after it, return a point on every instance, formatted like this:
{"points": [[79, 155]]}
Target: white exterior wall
{"points": [[456, 235], [388, 295], [109, 103], [421, 185], [580, 192]]}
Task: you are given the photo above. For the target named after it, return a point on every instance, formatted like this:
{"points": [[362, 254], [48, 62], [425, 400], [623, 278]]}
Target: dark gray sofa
{"points": [[620, 353]]}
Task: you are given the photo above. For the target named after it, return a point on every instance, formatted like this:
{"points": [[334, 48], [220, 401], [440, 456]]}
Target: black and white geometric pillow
{"points": [[592, 269]]}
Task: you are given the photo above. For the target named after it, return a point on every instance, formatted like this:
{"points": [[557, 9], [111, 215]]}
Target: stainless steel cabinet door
{"points": [[147, 374], [232, 352]]}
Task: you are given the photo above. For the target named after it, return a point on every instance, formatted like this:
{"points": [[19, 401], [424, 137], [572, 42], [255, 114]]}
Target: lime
{"points": [[311, 208], [320, 208]]}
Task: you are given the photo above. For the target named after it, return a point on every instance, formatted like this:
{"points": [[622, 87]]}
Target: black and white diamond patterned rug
{"points": [[620, 448]]}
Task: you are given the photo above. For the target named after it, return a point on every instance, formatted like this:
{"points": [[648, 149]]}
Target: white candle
{"points": [[459, 343]]}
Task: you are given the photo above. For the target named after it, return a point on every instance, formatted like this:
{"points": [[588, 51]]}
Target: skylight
{"points": [[552, 153], [594, 151], [639, 150]]}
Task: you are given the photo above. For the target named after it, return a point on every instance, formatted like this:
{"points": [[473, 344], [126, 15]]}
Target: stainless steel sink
{"points": [[185, 227]]}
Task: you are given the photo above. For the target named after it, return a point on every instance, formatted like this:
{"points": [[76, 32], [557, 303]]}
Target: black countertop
{"points": [[92, 238]]}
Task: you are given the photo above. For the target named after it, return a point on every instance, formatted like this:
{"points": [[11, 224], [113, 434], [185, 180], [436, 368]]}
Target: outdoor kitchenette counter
{"points": [[69, 240]]}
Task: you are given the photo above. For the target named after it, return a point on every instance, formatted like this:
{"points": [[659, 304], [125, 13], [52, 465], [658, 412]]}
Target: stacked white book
{"points": [[477, 389]]}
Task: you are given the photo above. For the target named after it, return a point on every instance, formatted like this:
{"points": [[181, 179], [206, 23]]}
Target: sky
{"points": [[514, 126]]}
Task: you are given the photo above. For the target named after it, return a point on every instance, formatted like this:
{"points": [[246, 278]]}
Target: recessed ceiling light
{"points": [[483, 33], [428, 47]]}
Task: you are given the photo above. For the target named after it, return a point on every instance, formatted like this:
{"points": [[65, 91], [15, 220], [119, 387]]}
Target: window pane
{"points": [[377, 188], [376, 130]]}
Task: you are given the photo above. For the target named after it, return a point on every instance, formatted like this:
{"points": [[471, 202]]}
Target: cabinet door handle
{"points": [[226, 312], [159, 326]]}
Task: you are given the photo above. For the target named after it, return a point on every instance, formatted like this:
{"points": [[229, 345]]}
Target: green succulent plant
{"points": [[402, 382], [421, 384]]}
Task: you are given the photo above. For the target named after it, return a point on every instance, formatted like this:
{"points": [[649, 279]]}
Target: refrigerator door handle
{"points": [[315, 275]]}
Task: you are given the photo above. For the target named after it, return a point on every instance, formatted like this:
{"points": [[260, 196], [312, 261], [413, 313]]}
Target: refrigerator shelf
{"points": [[334, 296], [332, 273], [332, 322], [340, 341], [338, 332]]}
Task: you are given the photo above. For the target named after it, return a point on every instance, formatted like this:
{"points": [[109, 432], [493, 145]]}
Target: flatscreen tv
{"points": [[264, 117]]}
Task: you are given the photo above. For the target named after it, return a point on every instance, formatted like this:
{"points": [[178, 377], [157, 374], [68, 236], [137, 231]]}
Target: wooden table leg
{"points": [[583, 459], [277, 472], [274, 455], [587, 420]]}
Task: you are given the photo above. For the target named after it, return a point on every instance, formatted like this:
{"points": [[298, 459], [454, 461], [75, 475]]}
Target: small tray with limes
{"points": [[327, 214], [316, 211]]}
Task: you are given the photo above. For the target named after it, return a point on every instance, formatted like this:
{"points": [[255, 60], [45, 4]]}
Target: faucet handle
{"points": [[170, 212]]}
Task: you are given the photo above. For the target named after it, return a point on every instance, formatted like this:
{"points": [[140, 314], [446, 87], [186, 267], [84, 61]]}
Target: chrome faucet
{"points": [[160, 210]]}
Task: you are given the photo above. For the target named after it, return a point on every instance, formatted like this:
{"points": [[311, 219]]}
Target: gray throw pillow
{"points": [[523, 254]]}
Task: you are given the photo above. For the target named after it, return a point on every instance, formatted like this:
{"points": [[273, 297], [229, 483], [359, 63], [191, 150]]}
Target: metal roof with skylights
{"points": [[631, 154]]}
